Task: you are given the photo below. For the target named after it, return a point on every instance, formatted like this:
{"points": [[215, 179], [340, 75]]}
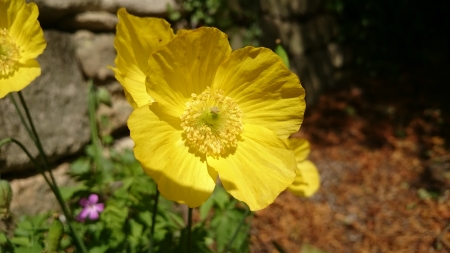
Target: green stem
{"points": [[38, 167], [152, 231], [22, 118], [227, 248], [93, 126], [54, 185], [189, 228]]}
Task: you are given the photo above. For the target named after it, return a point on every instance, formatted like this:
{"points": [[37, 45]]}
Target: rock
{"points": [[276, 8], [95, 52], [114, 119], [54, 10], [140, 7], [58, 105], [97, 21], [33, 196], [305, 7], [336, 55], [275, 28]]}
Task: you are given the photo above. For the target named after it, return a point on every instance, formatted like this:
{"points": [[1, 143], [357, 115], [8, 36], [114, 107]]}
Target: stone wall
{"points": [[309, 33], [80, 35]]}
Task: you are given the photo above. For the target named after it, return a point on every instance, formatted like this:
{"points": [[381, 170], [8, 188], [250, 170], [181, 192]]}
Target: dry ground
{"points": [[383, 153]]}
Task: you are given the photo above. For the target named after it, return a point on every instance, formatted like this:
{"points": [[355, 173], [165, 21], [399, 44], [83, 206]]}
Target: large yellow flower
{"points": [[217, 114], [307, 180], [21, 41]]}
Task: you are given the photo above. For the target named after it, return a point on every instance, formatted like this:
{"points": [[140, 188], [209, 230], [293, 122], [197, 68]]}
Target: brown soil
{"points": [[382, 151]]}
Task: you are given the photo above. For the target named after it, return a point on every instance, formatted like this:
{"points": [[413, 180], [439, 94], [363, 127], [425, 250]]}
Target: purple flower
{"points": [[91, 208]]}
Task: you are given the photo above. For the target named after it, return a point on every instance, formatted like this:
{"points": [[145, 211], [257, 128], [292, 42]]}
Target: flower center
{"points": [[212, 123], [9, 53]]}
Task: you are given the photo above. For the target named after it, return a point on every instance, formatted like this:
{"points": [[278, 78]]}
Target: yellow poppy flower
{"points": [[21, 41], [307, 181], [218, 114], [136, 38]]}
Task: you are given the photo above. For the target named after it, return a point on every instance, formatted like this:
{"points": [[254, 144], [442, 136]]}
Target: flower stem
{"points": [[152, 231], [227, 248], [93, 126], [189, 228], [22, 118], [38, 167], [53, 185]]}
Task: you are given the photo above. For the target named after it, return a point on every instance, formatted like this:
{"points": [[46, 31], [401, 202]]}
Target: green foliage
{"points": [[231, 16], [126, 221]]}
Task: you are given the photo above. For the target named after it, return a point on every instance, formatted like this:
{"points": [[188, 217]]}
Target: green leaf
{"points": [[205, 208], [80, 166], [99, 249], [3, 238], [279, 50], [67, 192], [221, 197], [22, 241]]}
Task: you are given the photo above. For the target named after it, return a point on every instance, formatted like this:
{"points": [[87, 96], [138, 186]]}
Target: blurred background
{"points": [[376, 78]]}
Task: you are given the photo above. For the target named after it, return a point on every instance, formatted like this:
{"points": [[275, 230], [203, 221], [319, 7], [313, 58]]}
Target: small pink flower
{"points": [[91, 208]]}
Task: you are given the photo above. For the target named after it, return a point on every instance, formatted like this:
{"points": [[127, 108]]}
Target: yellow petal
{"points": [[300, 147], [186, 65], [307, 181], [27, 32], [135, 40], [21, 78], [8, 12], [266, 91], [261, 167], [181, 175]]}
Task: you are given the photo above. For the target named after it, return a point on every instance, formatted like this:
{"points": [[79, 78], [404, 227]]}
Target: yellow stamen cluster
{"points": [[212, 123], [9, 53]]}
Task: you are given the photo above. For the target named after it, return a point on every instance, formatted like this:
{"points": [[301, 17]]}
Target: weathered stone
{"points": [[275, 28], [58, 104], [54, 10], [95, 52], [33, 196], [97, 21], [140, 7], [336, 55], [276, 8], [312, 34], [114, 118], [305, 7]]}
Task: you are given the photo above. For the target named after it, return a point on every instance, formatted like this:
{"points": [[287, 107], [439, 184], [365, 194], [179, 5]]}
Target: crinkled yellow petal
{"points": [[186, 65], [136, 39], [266, 91], [183, 32], [300, 147], [307, 181], [27, 32], [21, 78], [8, 12], [261, 167], [181, 175]]}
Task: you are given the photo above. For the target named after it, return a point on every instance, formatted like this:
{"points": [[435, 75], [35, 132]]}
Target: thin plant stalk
{"points": [[24, 149], [152, 231], [189, 230], [93, 126], [228, 246], [22, 118], [54, 185]]}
